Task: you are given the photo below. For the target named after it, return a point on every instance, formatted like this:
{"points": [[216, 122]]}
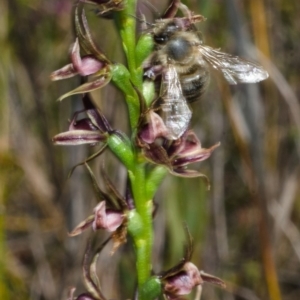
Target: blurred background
{"points": [[246, 229]]}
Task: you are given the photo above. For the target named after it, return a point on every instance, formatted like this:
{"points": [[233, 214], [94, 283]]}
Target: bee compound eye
{"points": [[179, 49], [165, 32], [161, 38]]}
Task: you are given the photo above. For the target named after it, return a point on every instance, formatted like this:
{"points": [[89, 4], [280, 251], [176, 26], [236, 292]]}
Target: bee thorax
{"points": [[179, 50]]}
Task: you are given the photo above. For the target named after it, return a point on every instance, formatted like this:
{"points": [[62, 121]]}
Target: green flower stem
{"points": [[142, 239], [140, 220], [126, 24]]}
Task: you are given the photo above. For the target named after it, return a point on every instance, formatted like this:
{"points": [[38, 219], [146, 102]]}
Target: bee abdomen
{"points": [[194, 83]]}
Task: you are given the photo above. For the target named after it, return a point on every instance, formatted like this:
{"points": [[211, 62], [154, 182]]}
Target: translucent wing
{"points": [[234, 68], [176, 113]]}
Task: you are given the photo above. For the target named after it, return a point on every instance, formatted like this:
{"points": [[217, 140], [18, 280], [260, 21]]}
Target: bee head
{"points": [[165, 32]]}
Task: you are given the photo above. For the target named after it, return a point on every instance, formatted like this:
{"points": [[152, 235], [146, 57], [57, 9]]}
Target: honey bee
{"points": [[184, 62]]}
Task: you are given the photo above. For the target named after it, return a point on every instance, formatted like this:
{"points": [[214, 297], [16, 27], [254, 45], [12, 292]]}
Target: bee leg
{"points": [[153, 72]]}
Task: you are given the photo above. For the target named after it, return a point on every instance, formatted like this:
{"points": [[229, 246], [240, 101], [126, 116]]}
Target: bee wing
{"points": [[234, 68], [170, 84], [176, 113]]}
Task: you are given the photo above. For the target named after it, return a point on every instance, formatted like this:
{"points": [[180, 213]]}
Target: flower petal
{"points": [[65, 72], [188, 143], [157, 154], [114, 220], [107, 219], [183, 282], [90, 278], [78, 137], [154, 129], [83, 124], [212, 279], [88, 87], [95, 114], [82, 226], [85, 38], [90, 65], [195, 155], [85, 65], [85, 296], [183, 172]]}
